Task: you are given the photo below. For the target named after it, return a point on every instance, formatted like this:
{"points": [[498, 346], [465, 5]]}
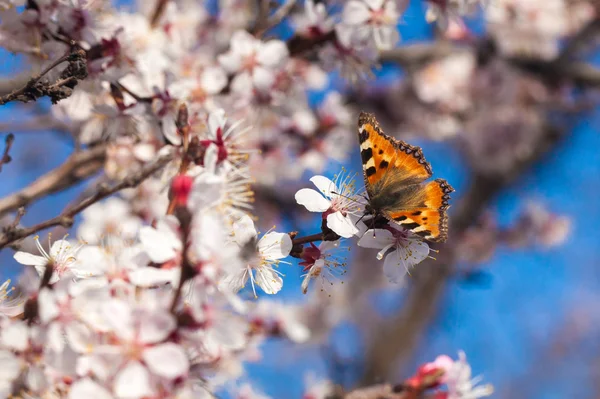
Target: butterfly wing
{"points": [[387, 160], [394, 173], [422, 210]]}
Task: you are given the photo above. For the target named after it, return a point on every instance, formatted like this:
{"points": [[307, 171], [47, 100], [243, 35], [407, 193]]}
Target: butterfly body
{"points": [[395, 173]]}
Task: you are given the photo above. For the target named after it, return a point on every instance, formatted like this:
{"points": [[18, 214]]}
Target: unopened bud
{"points": [[117, 95], [181, 186], [182, 117]]}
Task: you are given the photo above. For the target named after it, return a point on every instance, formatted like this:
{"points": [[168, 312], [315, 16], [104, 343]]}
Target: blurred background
{"points": [[517, 287]]}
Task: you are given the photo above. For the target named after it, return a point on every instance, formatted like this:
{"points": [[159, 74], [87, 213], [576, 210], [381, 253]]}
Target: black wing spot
{"points": [[380, 151], [424, 218], [411, 226], [384, 164], [363, 136], [400, 218], [416, 213], [370, 171], [366, 155]]}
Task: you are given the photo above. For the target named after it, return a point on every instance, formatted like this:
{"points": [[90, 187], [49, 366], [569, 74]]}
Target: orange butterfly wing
{"points": [[390, 162], [431, 220]]}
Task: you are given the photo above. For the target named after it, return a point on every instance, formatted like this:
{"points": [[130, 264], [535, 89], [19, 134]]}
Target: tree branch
{"points": [[62, 88], [8, 142], [414, 56], [66, 218], [79, 166]]}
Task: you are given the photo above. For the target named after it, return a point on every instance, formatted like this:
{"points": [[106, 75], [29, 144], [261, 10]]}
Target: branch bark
{"points": [[79, 166], [66, 218]]}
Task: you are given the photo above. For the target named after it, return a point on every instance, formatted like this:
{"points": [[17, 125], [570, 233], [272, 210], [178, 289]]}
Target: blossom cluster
{"points": [[161, 292]]}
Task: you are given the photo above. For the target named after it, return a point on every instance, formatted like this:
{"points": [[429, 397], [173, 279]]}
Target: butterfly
{"points": [[395, 174]]}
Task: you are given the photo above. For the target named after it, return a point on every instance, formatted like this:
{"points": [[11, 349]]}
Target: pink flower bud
{"points": [[181, 186]]}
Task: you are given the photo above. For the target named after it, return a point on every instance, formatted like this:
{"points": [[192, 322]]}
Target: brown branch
{"points": [[62, 88], [414, 56], [66, 218], [159, 10], [581, 40], [278, 16], [8, 142], [262, 16], [79, 166]]}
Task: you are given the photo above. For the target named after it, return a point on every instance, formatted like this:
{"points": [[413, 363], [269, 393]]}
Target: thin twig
{"points": [[79, 166], [34, 89], [66, 218], [8, 142], [277, 17], [159, 10]]}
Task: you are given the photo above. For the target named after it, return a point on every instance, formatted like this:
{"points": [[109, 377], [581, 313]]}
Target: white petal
{"points": [[207, 190], [230, 61], [244, 230], [235, 281], [355, 13], [213, 80], [92, 261], [386, 37], [48, 308], [15, 336], [118, 315], [152, 276], [242, 83], [312, 200], [297, 332], [60, 247], [10, 366], [325, 186], [169, 129], [155, 245], [28, 259], [263, 78], [394, 268], [272, 53], [341, 225], [414, 251], [167, 360], [375, 4], [79, 337], [378, 238], [216, 121], [133, 382], [243, 42], [270, 282], [55, 337], [88, 389], [275, 245], [156, 327]]}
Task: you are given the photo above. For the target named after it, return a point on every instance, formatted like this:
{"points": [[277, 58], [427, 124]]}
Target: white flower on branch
{"points": [[315, 21], [110, 217], [401, 249], [321, 263], [371, 21], [261, 257], [337, 200], [61, 258], [11, 304], [253, 63]]}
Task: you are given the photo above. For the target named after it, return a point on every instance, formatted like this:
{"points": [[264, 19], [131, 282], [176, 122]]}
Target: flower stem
{"points": [[307, 239]]}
